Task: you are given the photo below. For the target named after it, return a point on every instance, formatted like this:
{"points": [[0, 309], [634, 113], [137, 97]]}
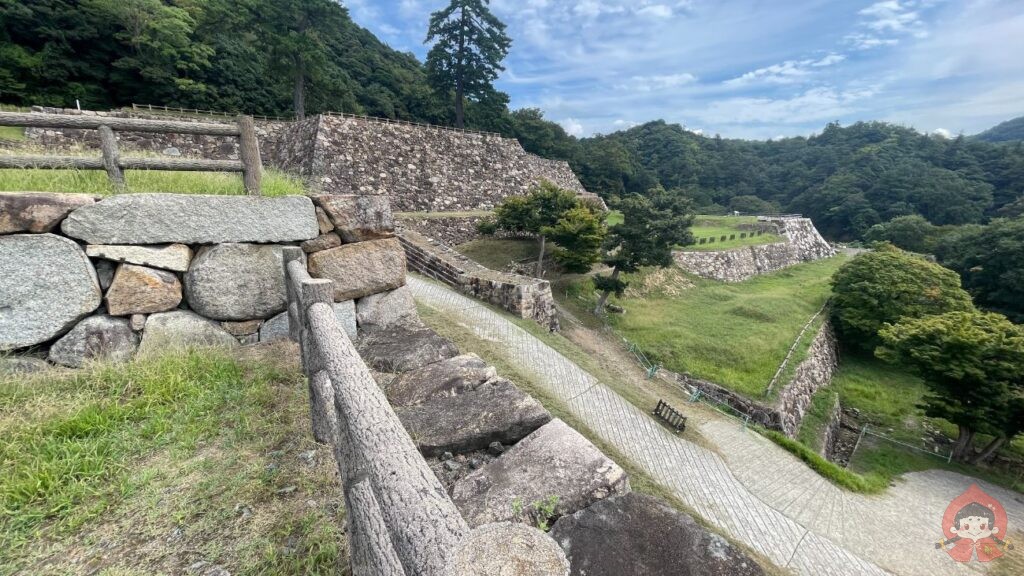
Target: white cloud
{"points": [[573, 126], [658, 82], [788, 72], [942, 132], [816, 104], [655, 11], [863, 41]]}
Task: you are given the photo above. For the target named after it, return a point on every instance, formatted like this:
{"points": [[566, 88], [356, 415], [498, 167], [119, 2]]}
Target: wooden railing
{"points": [[249, 163], [400, 518]]}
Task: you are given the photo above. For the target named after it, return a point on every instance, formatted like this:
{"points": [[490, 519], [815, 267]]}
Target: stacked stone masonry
{"points": [[529, 298], [802, 243], [85, 278]]}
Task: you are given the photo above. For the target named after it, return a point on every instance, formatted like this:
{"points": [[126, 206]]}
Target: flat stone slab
{"points": [[47, 285], [237, 282], [496, 411], [508, 548], [96, 338], [553, 461], [640, 534], [358, 217], [388, 309], [277, 328], [20, 365], [362, 269], [446, 378], [37, 212], [175, 257], [142, 290], [182, 329], [193, 219], [401, 350]]}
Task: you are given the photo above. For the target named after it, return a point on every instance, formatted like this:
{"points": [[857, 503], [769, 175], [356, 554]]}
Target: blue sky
{"points": [[748, 68]]}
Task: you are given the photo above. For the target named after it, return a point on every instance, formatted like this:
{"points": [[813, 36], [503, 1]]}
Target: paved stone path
{"points": [[756, 492]]}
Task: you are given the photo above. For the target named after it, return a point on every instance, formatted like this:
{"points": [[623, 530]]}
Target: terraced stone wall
{"points": [[525, 297], [802, 243], [84, 278]]}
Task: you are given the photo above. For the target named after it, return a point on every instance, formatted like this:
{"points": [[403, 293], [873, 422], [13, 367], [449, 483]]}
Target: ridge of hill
{"points": [[1009, 131]]}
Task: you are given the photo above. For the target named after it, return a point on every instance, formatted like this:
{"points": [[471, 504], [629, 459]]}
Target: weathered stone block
{"points": [[446, 378], [359, 218], [47, 285], [507, 548], [322, 242], [324, 221], [244, 328], [387, 309], [37, 212], [181, 329], [237, 282], [401, 349], [142, 290], [174, 257], [193, 219], [639, 534], [496, 411], [95, 338], [553, 461], [277, 328], [19, 365], [361, 269]]}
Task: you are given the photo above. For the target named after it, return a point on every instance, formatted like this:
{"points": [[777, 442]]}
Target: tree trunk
{"points": [[299, 93], [963, 444], [599, 309], [460, 112], [540, 258], [988, 451], [460, 72]]}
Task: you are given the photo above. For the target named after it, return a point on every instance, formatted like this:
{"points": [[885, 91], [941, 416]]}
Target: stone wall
{"points": [[523, 296], [83, 278], [803, 244], [831, 436], [420, 168], [786, 412], [811, 375], [450, 231], [189, 145]]}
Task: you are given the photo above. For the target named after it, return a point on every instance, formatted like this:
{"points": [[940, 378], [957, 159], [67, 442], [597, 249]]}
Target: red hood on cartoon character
{"points": [[973, 524]]}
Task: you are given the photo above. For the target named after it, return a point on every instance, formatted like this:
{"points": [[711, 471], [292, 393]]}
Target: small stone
{"points": [[95, 338], [324, 221], [249, 339], [321, 243], [475, 463], [496, 449], [171, 151], [174, 257], [308, 458], [451, 465], [244, 328], [141, 290], [105, 272], [137, 322], [286, 490], [19, 365], [243, 511], [446, 456]]}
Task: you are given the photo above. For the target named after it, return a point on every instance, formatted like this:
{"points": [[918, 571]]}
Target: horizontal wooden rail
{"points": [[249, 163], [87, 163], [116, 124]]}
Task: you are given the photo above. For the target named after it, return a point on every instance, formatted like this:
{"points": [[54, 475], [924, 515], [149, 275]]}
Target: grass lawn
{"points": [[95, 182], [732, 334], [153, 466], [497, 253], [714, 227], [12, 133]]}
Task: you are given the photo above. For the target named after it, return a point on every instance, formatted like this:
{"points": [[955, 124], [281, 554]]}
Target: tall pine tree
{"points": [[466, 58]]}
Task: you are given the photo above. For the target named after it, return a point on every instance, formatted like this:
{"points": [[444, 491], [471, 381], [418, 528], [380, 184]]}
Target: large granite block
{"points": [[37, 212], [361, 269]]}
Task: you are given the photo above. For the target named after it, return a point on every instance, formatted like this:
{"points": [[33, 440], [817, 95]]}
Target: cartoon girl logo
{"points": [[973, 524]]}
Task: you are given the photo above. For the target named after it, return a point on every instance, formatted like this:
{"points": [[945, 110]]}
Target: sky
{"points": [[754, 69]]}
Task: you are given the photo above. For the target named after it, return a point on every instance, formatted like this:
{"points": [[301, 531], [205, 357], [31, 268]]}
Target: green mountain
{"points": [[1009, 131]]}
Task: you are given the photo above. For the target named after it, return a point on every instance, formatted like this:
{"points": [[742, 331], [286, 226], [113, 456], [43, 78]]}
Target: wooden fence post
{"points": [[249, 154], [111, 158]]}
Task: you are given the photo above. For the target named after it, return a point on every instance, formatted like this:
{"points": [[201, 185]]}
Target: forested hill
{"points": [[1009, 131], [847, 178]]}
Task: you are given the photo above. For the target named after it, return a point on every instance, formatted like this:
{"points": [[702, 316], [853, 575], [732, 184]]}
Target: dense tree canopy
{"points": [[885, 286], [973, 365], [990, 260]]}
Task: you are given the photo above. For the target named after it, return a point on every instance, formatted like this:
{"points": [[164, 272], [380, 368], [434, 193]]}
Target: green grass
{"points": [[497, 253], [615, 217], [869, 483], [733, 334], [128, 453], [718, 226], [12, 133], [95, 182], [816, 419]]}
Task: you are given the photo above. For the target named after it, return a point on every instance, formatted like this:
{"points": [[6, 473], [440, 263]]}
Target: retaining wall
{"points": [[525, 297], [802, 243], [83, 278]]}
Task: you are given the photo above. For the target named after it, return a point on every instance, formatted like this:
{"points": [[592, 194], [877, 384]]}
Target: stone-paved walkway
{"points": [[757, 493]]}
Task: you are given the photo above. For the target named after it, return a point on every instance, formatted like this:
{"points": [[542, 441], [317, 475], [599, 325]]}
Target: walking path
{"points": [[756, 493]]}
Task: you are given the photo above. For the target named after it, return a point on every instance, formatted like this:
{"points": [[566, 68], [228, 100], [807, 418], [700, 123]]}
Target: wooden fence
{"points": [[400, 518], [249, 163]]}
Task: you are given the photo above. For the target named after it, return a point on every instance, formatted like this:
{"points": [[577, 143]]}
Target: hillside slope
{"points": [[1009, 131]]}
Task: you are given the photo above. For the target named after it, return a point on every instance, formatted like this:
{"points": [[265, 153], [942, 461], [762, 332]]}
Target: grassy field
{"points": [[156, 465], [497, 253], [732, 334], [95, 182], [12, 133], [717, 226]]}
